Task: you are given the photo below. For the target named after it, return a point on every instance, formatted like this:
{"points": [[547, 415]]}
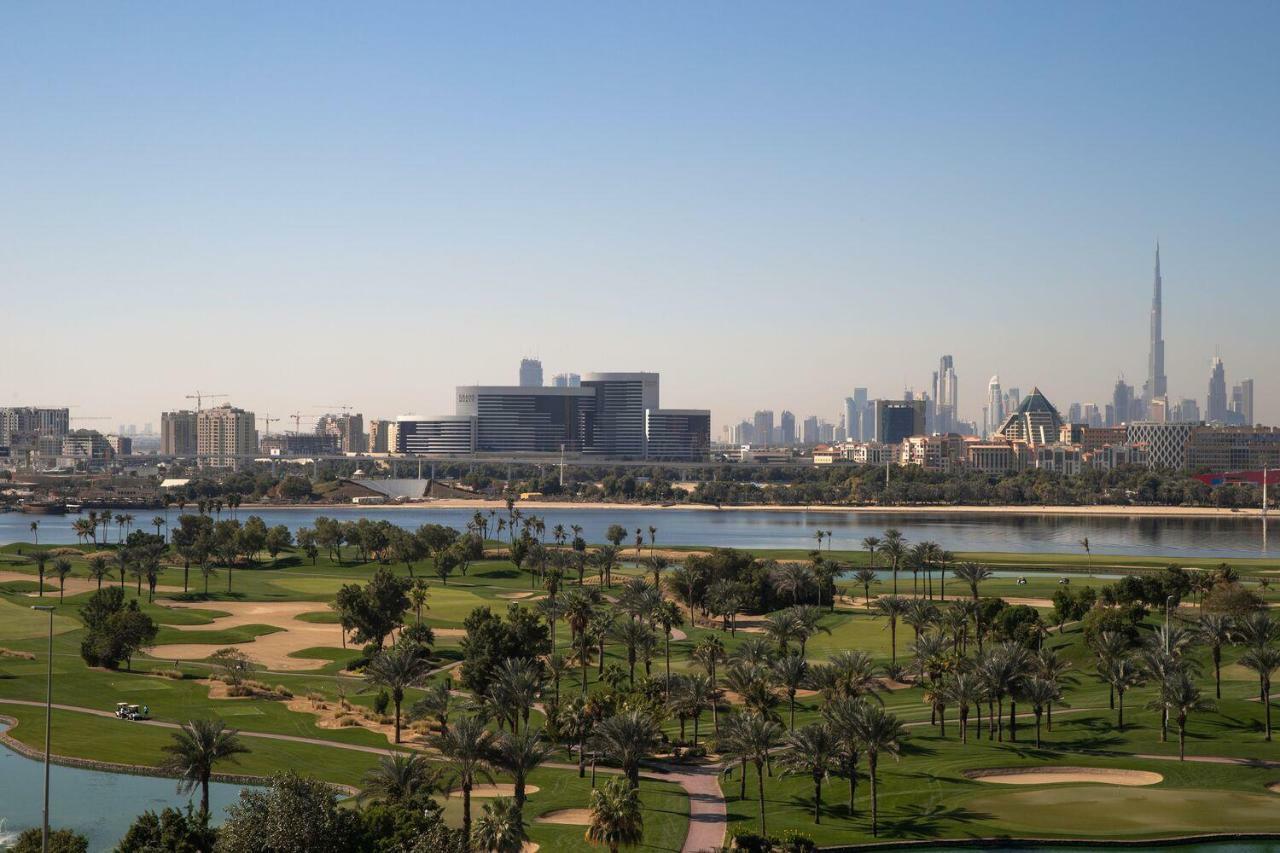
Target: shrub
{"points": [[381, 702], [175, 674], [60, 841], [282, 692]]}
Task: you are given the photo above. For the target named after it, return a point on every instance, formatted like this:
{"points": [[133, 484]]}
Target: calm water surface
{"points": [[99, 805], [1184, 538]]}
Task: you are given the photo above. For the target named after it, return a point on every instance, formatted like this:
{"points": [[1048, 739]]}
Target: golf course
{"points": [[1036, 752]]}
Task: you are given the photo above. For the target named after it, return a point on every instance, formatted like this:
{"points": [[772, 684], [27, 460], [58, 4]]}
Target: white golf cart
{"points": [[126, 711]]}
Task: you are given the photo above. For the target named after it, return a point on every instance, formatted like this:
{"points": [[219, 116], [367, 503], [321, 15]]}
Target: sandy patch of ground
{"points": [[75, 586], [329, 715], [1274, 787], [516, 595], [570, 817], [498, 789], [1065, 775], [677, 634], [271, 650], [449, 632]]}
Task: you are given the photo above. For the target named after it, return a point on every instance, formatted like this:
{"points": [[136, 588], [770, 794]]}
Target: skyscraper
{"points": [[995, 405], [788, 428], [1216, 410], [1122, 402], [1157, 384], [1242, 401], [945, 395], [762, 427], [530, 373]]}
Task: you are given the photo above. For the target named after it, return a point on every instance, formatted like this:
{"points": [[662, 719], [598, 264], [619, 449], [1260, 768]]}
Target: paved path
{"points": [[707, 813]]}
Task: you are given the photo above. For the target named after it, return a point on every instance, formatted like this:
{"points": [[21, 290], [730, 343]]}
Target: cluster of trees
{"points": [[115, 629], [201, 541], [385, 542]]}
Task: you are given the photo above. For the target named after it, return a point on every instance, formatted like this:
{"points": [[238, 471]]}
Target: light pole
{"points": [[1168, 603], [48, 721]]}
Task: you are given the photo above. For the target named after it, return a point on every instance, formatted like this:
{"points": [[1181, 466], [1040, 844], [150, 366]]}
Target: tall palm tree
{"points": [[418, 594], [866, 577], [397, 669], [468, 748], [628, 738], [1215, 631], [61, 568], [755, 737], [708, 652], [879, 733], [1264, 661], [501, 827], [811, 751], [402, 778], [616, 820], [434, 703], [41, 559], [98, 569], [1121, 673], [972, 574], [1040, 693], [668, 616], [892, 607], [791, 672], [35, 533], [197, 746], [520, 754], [964, 690], [1179, 697]]}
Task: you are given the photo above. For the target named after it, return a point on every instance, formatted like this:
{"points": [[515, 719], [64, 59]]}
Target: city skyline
{"points": [[282, 227]]}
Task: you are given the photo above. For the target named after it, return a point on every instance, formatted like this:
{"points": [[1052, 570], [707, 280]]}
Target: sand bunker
{"points": [[677, 635], [500, 789], [271, 650], [1274, 787], [1065, 775], [516, 595], [569, 817]]}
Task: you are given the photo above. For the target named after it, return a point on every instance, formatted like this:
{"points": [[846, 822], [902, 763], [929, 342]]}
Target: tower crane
{"points": [[297, 421], [268, 420], [199, 398]]}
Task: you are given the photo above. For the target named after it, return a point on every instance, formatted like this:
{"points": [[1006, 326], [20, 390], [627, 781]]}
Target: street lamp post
{"points": [[48, 723]]}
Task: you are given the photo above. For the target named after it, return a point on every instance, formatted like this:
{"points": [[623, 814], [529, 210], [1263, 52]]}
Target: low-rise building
{"points": [[1236, 448]]}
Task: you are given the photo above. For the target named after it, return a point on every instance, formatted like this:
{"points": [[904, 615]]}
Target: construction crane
{"points": [[199, 398], [268, 420], [297, 421], [345, 408]]}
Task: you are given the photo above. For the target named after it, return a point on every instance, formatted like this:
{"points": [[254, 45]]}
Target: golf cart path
{"points": [[708, 816]]}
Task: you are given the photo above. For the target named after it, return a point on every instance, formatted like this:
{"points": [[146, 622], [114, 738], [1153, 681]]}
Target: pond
{"points": [[97, 804]]}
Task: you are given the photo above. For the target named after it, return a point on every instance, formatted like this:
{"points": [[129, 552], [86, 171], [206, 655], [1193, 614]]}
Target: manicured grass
{"points": [[19, 622]]}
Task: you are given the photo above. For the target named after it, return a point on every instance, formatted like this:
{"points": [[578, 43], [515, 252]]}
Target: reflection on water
{"points": [[1183, 538]]}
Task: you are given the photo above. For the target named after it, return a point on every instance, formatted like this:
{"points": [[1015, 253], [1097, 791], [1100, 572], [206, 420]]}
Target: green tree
{"points": [[811, 751], [627, 738], [171, 830], [61, 568], [403, 778], [616, 820], [879, 733], [60, 841], [397, 669], [501, 827], [468, 748], [295, 815], [197, 746]]}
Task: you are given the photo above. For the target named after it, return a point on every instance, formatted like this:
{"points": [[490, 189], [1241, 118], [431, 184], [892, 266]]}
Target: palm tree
{"points": [[866, 577], [783, 628], [197, 746], [41, 559], [708, 652], [1179, 697], [402, 778], [892, 607], [468, 747], [616, 819], [397, 669], [35, 533], [61, 568], [1215, 631], [418, 594], [518, 681], [1121, 673], [895, 548], [791, 672], [520, 754], [1041, 693], [1264, 661], [964, 690], [628, 738], [1088, 552], [500, 827], [811, 751], [98, 569], [972, 574], [434, 703], [755, 737], [158, 522], [871, 543], [668, 616], [879, 733]]}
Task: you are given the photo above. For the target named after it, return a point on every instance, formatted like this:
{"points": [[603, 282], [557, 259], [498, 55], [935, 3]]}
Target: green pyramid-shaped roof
{"points": [[1036, 402]]}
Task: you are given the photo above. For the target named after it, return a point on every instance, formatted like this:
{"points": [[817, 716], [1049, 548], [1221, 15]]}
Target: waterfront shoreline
{"points": [[1102, 511]]}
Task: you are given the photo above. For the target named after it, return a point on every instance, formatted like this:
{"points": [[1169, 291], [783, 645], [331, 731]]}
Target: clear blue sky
{"points": [[309, 204]]}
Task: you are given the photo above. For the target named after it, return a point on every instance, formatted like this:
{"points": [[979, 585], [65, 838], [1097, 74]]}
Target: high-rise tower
{"points": [[1157, 384]]}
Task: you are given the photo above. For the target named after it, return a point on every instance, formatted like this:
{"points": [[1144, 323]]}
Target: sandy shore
{"points": [[948, 509]]}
